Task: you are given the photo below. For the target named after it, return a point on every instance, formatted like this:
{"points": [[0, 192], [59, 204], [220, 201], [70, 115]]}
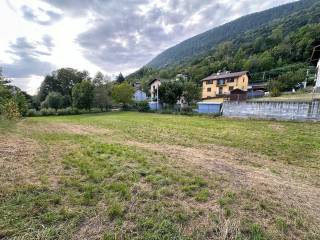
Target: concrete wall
{"points": [[273, 110]]}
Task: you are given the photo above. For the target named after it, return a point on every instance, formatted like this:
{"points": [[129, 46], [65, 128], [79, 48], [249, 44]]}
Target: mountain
{"points": [[274, 46], [202, 43]]}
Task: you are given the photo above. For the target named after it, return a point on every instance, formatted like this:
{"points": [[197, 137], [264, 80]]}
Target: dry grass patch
{"points": [[18, 161]]}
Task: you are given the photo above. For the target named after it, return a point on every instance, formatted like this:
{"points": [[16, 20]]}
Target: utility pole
{"points": [[157, 97], [306, 79]]}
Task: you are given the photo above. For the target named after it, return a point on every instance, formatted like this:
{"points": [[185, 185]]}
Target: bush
{"points": [[54, 100], [143, 106], [95, 110], [128, 107], [275, 92], [21, 102], [32, 112], [10, 110], [65, 111], [44, 104], [187, 109], [48, 112]]}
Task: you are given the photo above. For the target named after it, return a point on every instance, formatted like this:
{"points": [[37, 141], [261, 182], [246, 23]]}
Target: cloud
{"points": [[129, 33], [40, 16], [27, 58]]}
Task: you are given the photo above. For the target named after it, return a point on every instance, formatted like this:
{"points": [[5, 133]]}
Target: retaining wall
{"points": [[274, 110]]}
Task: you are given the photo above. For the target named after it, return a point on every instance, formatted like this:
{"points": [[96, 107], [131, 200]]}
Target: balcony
{"points": [[221, 83]]}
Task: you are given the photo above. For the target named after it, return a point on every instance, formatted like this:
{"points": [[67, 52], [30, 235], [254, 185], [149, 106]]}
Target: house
{"points": [[218, 86], [315, 60], [139, 95], [182, 77], [154, 85]]}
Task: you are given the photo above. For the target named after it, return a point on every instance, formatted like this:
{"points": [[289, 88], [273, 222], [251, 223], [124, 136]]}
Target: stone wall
{"points": [[273, 110]]}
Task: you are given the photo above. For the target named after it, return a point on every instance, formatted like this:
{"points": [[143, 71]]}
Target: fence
{"points": [[274, 110]]}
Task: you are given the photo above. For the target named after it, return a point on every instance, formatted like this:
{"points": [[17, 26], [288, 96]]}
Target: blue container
{"points": [[209, 107], [153, 106]]}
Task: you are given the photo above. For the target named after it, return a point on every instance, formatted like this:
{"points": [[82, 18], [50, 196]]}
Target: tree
{"points": [[54, 100], [62, 81], [21, 101], [102, 98], [123, 93], [5, 93], [13, 103], [120, 79], [191, 92], [82, 95], [98, 79], [49, 84], [170, 92]]}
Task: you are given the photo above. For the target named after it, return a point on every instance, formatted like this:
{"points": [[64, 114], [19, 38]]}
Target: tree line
{"points": [[68, 87], [65, 91]]}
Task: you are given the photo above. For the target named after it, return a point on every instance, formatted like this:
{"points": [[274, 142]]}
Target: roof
{"points": [[237, 91], [155, 79], [223, 75], [315, 55]]}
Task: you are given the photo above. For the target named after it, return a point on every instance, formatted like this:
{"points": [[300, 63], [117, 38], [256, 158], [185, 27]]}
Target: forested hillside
{"points": [[278, 50], [206, 41]]}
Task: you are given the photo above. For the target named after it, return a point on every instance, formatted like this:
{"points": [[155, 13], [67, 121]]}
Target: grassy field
{"points": [[151, 176], [292, 97]]}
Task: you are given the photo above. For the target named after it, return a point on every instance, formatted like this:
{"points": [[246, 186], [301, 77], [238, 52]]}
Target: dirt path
{"points": [[237, 166]]}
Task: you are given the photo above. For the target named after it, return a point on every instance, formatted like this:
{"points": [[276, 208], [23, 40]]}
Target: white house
{"points": [[317, 86], [154, 86], [315, 59]]}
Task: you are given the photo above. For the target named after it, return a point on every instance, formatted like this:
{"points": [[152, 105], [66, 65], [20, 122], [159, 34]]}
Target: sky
{"points": [[111, 36]]}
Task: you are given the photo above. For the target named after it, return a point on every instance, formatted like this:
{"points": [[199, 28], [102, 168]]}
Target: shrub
{"points": [[275, 92], [32, 112], [21, 102], [44, 104], [143, 106], [95, 110], [187, 109], [65, 111], [54, 100], [10, 110], [48, 112]]}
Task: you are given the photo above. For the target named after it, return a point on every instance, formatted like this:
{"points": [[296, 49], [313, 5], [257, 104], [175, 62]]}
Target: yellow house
{"points": [[217, 86]]}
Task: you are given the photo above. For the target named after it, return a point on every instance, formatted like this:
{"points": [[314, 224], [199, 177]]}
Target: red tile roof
{"points": [[223, 75]]}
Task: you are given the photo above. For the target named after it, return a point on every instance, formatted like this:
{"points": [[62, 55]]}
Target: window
{"points": [[209, 89], [230, 89], [210, 82], [221, 82], [230, 80]]}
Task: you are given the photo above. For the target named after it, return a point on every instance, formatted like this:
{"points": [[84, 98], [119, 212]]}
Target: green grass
{"points": [[82, 183], [292, 97]]}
